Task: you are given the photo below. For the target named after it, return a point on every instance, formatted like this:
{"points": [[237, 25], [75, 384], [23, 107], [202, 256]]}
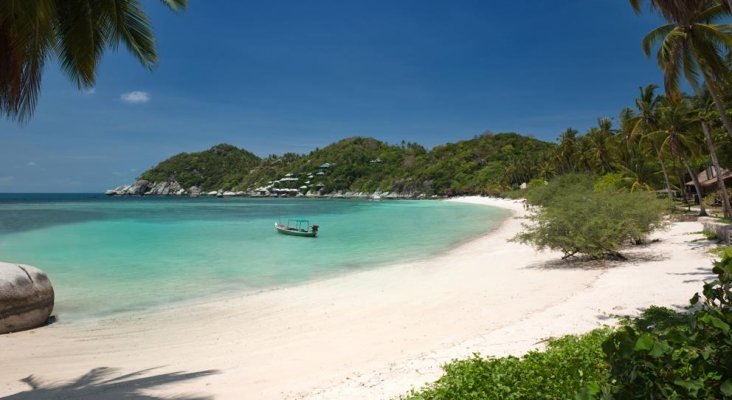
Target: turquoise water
{"points": [[107, 255]]}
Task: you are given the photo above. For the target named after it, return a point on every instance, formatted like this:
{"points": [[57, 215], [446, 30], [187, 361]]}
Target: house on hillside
{"points": [[708, 182]]}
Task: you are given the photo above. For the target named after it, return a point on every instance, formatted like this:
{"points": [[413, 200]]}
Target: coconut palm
{"points": [[601, 139], [76, 32], [633, 160], [566, 152], [677, 137], [692, 43], [703, 108], [647, 122]]}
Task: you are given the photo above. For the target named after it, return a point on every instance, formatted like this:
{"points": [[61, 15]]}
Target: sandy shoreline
{"points": [[372, 334]]}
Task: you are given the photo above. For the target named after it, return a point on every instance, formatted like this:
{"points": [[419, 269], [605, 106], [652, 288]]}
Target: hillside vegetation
{"points": [[221, 166], [490, 162]]}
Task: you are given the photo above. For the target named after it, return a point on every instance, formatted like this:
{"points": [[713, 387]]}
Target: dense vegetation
{"points": [[662, 354], [220, 166], [596, 217], [490, 162]]}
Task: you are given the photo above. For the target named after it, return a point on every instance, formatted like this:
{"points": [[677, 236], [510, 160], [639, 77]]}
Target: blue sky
{"points": [[280, 76]]}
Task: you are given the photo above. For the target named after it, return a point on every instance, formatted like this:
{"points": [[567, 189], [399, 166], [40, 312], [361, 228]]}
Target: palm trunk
{"points": [[697, 186], [665, 175], [715, 161], [683, 192], [720, 107]]}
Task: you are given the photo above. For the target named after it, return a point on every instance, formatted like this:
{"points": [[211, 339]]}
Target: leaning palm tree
{"points": [[76, 32], [702, 105], [692, 44]]}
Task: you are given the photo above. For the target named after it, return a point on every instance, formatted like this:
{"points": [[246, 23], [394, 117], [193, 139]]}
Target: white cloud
{"points": [[89, 91], [6, 180], [31, 164], [136, 97]]}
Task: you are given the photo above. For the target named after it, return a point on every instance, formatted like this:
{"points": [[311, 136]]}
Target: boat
{"points": [[297, 227]]}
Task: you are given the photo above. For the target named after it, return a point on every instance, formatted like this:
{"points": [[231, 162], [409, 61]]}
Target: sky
{"points": [[290, 76]]}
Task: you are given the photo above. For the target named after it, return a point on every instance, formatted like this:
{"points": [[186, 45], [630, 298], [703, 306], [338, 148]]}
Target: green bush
{"points": [[543, 195], [568, 365], [669, 355], [597, 224]]}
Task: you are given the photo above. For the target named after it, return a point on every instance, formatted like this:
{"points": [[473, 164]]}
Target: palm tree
{"points": [[633, 160], [77, 32], [647, 122], [601, 140], [675, 132], [692, 44], [704, 113], [566, 152]]}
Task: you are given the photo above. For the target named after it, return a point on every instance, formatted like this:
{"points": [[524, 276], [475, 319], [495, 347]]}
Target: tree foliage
{"points": [[76, 32], [360, 164], [220, 167], [576, 219]]}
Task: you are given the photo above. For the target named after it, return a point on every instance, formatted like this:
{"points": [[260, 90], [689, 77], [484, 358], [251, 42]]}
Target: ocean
{"points": [[107, 255]]}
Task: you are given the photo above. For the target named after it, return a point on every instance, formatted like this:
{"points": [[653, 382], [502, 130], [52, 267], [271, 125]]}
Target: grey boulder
{"points": [[26, 297]]}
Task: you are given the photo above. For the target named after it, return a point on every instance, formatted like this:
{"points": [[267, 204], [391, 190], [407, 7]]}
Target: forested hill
{"points": [[222, 165], [486, 163]]}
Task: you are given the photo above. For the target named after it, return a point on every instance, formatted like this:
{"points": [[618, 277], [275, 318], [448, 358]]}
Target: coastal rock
{"points": [[138, 188], [26, 297], [194, 191]]}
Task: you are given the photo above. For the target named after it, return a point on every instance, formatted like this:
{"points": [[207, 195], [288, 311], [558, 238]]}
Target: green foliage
{"points": [[710, 235], [612, 182], [568, 365], [220, 167], [485, 164], [542, 195], [722, 251], [574, 219], [668, 355]]}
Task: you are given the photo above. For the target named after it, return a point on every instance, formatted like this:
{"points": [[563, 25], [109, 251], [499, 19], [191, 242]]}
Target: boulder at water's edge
{"points": [[26, 297]]}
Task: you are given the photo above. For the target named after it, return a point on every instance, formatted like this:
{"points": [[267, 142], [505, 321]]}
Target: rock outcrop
{"points": [[26, 297], [143, 187]]}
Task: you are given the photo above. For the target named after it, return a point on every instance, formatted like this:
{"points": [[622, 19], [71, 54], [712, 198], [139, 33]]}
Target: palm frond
{"points": [[656, 36], [670, 59], [636, 4], [127, 23], [176, 5], [80, 41], [26, 37]]}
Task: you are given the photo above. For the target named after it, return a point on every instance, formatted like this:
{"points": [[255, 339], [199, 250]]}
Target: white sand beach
{"points": [[367, 335]]}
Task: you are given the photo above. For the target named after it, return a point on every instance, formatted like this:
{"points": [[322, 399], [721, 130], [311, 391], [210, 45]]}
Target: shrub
{"points": [[543, 195], [597, 224], [564, 369]]}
